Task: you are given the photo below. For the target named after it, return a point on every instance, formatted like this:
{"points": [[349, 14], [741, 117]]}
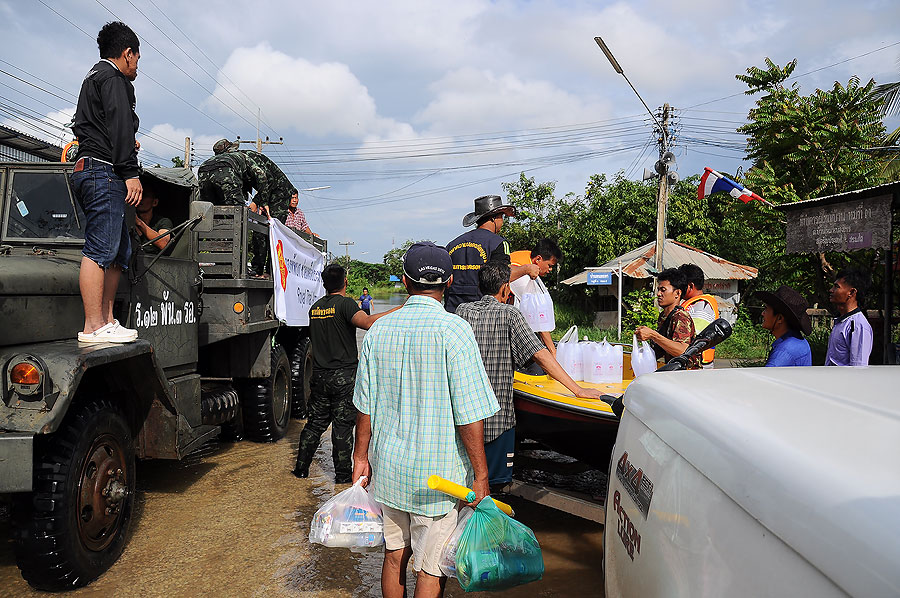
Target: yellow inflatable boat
{"points": [[546, 411]]}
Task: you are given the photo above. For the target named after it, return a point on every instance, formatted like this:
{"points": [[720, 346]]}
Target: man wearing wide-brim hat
{"points": [[786, 318], [473, 249]]}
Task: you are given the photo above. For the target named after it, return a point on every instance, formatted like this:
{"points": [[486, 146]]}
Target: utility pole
{"points": [[187, 152], [662, 196], [259, 141], [347, 245]]}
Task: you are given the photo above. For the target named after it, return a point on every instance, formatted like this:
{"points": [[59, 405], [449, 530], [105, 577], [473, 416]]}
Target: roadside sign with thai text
{"points": [[846, 226], [599, 278]]}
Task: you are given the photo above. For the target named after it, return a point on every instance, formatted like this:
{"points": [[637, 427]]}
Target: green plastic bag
{"points": [[496, 552]]}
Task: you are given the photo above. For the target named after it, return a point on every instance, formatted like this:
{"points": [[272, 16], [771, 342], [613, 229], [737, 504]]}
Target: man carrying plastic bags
{"points": [[422, 395]]}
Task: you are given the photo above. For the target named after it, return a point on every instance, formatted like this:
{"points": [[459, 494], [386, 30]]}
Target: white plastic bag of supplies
{"points": [[594, 359], [569, 354], [536, 305], [448, 552], [643, 359], [350, 519]]}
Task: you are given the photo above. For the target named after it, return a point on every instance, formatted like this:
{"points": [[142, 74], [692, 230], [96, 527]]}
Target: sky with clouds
{"points": [[410, 109]]}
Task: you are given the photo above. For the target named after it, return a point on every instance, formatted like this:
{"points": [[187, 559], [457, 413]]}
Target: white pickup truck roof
{"points": [[812, 453]]}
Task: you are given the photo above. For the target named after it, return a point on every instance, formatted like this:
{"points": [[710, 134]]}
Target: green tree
{"points": [[177, 162], [393, 259], [804, 147], [889, 94]]}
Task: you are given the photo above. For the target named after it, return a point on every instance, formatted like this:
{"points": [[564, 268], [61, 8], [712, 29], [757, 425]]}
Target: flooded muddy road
{"points": [[231, 520]]}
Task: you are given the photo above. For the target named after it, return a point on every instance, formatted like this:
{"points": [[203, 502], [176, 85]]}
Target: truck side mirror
{"points": [[204, 210]]}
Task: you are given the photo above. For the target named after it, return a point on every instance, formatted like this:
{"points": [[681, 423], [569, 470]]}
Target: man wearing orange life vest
{"points": [[701, 306], [545, 255]]}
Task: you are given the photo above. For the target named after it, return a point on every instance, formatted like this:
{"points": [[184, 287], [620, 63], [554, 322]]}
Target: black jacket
{"points": [[105, 120]]}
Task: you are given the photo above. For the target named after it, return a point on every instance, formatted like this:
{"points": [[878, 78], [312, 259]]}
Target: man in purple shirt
{"points": [[786, 318], [850, 342]]}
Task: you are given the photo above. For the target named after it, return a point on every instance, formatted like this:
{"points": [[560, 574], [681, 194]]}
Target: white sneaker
{"points": [[130, 331], [105, 334]]}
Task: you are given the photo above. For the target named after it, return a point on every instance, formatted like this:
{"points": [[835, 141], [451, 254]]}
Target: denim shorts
{"points": [[101, 193]]}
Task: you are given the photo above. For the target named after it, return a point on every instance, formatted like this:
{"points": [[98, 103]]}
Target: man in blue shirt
{"points": [[786, 318]]}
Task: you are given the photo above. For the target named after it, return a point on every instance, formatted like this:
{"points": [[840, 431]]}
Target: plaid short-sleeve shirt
{"points": [[420, 375], [506, 342], [296, 219]]}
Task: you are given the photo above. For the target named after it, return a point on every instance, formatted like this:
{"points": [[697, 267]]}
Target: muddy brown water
{"points": [[231, 520]]}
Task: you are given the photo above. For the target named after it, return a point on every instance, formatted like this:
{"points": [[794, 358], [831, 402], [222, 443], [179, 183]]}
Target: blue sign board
{"points": [[599, 278]]}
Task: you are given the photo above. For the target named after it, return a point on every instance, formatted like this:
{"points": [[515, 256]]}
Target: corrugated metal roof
{"points": [[638, 263], [875, 191], [28, 144]]}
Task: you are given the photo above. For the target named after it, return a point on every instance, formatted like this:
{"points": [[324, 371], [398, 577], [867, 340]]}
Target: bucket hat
{"points": [[487, 205], [790, 304]]}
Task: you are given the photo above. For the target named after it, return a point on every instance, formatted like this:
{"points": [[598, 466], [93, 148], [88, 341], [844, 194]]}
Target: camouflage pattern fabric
{"points": [[679, 326], [226, 179], [278, 189], [331, 403]]}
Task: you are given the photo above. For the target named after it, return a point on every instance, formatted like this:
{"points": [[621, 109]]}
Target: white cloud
{"points": [[472, 100], [50, 127], [292, 92]]}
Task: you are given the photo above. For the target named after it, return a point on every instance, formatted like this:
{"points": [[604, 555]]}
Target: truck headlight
{"points": [[25, 376]]}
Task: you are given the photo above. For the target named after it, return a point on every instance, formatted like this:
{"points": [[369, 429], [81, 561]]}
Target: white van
{"points": [[756, 482]]}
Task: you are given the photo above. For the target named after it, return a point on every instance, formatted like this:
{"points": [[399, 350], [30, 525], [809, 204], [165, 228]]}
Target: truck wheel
{"points": [[301, 375], [266, 402], [72, 527]]}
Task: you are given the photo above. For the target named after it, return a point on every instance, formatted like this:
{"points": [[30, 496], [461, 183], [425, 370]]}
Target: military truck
{"points": [[210, 359]]}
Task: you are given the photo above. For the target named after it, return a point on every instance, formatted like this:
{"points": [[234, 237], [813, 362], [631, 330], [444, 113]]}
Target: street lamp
{"points": [[316, 188], [618, 69], [663, 190]]}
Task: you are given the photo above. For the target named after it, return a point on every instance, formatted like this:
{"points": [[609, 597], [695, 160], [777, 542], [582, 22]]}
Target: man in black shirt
{"points": [[471, 250], [333, 321], [105, 178]]}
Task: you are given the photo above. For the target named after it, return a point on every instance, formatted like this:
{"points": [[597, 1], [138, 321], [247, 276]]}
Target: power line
{"points": [[840, 62]]}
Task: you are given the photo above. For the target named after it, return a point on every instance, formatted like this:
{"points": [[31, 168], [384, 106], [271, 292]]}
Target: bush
{"points": [[640, 310]]}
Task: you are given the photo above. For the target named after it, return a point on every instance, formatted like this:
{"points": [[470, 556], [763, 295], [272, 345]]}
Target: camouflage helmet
{"points": [[223, 145]]}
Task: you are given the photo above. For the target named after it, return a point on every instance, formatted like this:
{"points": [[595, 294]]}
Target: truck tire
{"points": [[266, 402], [73, 526], [301, 375]]}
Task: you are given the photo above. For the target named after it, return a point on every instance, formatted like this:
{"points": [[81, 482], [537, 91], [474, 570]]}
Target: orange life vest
{"points": [[709, 354]]}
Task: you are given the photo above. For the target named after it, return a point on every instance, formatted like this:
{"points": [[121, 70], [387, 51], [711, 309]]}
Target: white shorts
{"points": [[426, 536]]}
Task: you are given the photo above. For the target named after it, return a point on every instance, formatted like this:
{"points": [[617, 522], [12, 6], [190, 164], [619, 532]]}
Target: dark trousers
{"points": [[331, 403]]}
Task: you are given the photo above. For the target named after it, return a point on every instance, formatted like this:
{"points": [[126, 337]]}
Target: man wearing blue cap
{"points": [[422, 396]]}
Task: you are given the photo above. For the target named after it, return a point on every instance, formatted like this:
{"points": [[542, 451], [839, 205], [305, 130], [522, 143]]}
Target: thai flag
{"points": [[713, 182]]}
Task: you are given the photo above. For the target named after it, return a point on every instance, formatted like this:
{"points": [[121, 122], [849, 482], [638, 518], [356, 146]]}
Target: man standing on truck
{"points": [[471, 250], [277, 192], [702, 307], [851, 340], [105, 178], [333, 321], [227, 177], [506, 342], [422, 395], [675, 328]]}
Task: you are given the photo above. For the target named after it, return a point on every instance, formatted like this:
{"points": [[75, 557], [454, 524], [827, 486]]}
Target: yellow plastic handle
{"points": [[438, 483]]}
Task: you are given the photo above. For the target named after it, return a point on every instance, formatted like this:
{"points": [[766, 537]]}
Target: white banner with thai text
{"points": [[297, 274]]}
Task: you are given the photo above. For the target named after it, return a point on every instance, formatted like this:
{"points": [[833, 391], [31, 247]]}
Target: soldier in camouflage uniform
{"points": [[277, 190], [333, 321], [675, 327], [227, 177]]}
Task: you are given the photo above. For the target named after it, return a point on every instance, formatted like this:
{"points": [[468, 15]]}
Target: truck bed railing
{"points": [[223, 251]]}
